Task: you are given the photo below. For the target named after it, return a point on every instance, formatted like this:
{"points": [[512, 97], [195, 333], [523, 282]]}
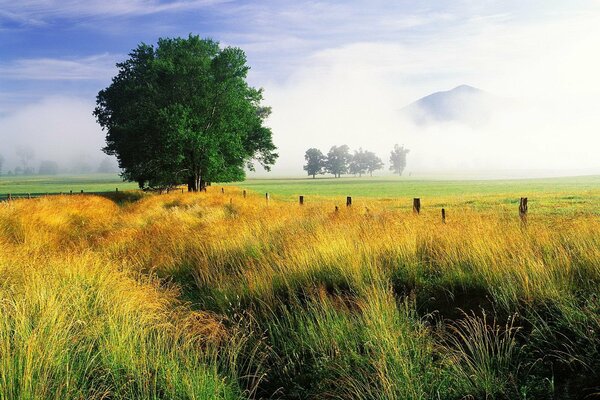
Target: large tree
{"points": [[182, 112], [315, 162], [398, 159], [338, 159]]}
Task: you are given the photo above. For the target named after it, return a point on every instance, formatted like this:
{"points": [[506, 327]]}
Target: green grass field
{"points": [[549, 195], [400, 187], [91, 183]]}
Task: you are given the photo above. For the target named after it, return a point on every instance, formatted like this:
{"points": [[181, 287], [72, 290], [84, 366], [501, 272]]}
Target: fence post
{"points": [[348, 201], [417, 205], [523, 209], [222, 190], [28, 195], [244, 193], [301, 200], [81, 191], [117, 190], [443, 216], [267, 197], [71, 192], [181, 190], [337, 209], [9, 197]]}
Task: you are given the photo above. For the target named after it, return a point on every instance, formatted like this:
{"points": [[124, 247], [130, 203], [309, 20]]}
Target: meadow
{"points": [[220, 296], [42, 184]]}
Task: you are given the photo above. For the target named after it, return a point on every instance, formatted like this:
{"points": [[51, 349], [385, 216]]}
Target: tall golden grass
{"points": [[214, 295]]}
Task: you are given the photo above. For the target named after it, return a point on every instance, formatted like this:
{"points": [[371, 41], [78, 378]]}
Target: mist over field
{"points": [[330, 83]]}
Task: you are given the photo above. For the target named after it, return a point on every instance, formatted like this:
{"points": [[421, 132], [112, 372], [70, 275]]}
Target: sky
{"points": [[335, 72]]}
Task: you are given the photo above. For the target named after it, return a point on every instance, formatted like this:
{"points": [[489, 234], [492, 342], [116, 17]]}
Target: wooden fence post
{"points": [[417, 205], [267, 197], [244, 193], [348, 201], [222, 190], [71, 193], [523, 209], [443, 216], [81, 191], [28, 195], [301, 200], [337, 209], [181, 190], [117, 190], [9, 197]]}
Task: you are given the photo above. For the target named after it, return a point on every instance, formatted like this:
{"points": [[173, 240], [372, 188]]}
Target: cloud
{"points": [[36, 12], [96, 67]]}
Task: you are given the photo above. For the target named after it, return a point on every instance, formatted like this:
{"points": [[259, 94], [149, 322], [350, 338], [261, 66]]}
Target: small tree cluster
{"points": [[339, 161], [398, 159]]}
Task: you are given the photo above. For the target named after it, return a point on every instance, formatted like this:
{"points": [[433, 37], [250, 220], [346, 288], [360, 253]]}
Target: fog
{"points": [[60, 129], [544, 120]]}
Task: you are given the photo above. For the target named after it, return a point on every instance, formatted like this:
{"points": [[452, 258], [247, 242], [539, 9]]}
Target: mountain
{"points": [[465, 104]]}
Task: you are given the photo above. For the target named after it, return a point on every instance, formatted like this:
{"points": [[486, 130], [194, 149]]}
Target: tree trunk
{"points": [[191, 184], [195, 182]]}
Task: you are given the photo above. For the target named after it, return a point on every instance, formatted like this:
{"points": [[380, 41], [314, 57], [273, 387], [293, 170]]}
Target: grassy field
{"points": [[408, 187], [551, 195], [35, 185], [217, 296]]}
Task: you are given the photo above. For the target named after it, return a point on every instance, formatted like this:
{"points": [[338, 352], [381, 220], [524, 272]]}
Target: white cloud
{"points": [[96, 67], [37, 11]]}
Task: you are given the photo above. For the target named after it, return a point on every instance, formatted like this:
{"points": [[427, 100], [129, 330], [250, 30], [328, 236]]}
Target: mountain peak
{"points": [[465, 88], [463, 103]]}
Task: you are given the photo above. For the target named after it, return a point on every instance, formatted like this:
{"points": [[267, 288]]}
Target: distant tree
{"points": [[1, 163], [19, 170], [358, 163], [48, 167], [80, 165], [373, 163], [315, 162], [183, 112], [364, 161], [25, 155], [338, 160], [398, 159], [107, 166]]}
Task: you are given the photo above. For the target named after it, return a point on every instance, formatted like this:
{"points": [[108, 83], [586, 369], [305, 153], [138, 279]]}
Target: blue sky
{"points": [[331, 70]]}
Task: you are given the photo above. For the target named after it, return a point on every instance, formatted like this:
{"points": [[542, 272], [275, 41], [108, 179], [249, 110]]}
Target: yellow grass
{"points": [[169, 297]]}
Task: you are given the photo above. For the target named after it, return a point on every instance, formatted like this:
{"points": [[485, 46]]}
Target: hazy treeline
{"points": [[27, 163], [339, 161]]}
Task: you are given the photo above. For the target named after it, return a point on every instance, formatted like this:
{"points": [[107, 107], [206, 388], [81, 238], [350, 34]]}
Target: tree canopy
{"points": [[364, 161], [398, 159], [315, 162], [338, 159], [182, 112]]}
